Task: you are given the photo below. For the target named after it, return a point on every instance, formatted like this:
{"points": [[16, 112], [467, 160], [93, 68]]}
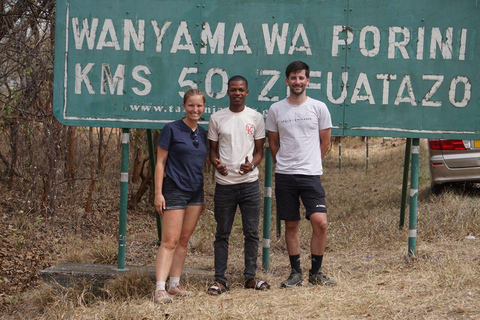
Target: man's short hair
{"points": [[237, 78], [296, 66]]}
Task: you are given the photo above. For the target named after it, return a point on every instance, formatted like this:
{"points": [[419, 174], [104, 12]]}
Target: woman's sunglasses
{"points": [[193, 136]]}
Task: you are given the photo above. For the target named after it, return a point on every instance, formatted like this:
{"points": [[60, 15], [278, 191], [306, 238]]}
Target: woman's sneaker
{"points": [[161, 297], [320, 278], [295, 279], [180, 291]]}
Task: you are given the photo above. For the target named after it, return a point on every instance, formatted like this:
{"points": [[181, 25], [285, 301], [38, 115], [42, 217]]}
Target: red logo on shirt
{"points": [[249, 128]]}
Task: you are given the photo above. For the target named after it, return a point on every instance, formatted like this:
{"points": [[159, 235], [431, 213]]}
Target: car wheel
{"points": [[437, 189]]}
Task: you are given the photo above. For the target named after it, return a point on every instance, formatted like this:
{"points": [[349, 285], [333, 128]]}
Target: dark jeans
{"points": [[227, 197]]}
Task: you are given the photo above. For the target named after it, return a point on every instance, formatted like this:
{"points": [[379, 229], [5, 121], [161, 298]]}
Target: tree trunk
{"points": [[137, 165], [14, 150], [90, 140], [71, 158], [88, 207], [137, 196], [100, 150]]}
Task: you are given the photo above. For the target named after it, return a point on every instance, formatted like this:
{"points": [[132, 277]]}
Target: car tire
{"points": [[437, 189]]}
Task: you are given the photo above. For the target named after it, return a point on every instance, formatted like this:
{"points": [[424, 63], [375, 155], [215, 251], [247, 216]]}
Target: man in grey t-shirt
{"points": [[299, 129]]}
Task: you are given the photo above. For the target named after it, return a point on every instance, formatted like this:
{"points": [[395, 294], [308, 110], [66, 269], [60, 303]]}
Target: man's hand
{"points": [[221, 168], [246, 167]]}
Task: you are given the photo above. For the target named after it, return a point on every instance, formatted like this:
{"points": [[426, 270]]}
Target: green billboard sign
{"points": [[384, 68]]}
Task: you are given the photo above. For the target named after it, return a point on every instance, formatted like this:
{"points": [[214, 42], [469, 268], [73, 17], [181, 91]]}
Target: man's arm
{"points": [[274, 144], [248, 166], [258, 152], [325, 140], [215, 158]]}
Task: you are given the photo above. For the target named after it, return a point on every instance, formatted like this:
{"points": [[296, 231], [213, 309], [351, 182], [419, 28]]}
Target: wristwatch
{"points": [[253, 167]]}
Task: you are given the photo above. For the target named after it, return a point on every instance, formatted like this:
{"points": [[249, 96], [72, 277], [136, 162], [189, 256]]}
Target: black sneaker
{"points": [[320, 278], [295, 279]]}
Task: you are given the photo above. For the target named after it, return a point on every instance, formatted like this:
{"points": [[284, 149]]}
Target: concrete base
{"points": [[68, 274]]}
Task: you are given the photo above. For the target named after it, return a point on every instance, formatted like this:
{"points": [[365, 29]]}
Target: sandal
{"points": [[256, 284], [217, 289]]}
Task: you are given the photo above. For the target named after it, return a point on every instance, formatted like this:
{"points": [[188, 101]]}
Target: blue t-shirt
{"points": [[185, 161]]}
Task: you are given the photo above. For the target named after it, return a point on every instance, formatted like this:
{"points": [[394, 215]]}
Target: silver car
{"points": [[453, 161]]}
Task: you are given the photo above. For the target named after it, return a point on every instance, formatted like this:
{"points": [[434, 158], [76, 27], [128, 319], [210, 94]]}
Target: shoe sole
{"points": [[181, 294], [298, 284], [322, 284], [165, 301]]}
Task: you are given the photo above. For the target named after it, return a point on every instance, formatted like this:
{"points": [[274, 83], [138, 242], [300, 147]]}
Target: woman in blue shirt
{"points": [[179, 196]]}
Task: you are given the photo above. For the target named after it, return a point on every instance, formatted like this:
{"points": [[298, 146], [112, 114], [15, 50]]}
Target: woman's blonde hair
{"points": [[193, 92]]}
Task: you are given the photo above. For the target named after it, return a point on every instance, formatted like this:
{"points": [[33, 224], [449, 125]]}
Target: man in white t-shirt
{"points": [[237, 136], [299, 129]]}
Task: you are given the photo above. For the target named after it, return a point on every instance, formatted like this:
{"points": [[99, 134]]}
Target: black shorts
{"points": [[176, 198], [288, 189]]}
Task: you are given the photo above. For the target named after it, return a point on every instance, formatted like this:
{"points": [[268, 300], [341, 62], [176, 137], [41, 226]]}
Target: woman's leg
{"points": [[172, 222], [190, 219]]}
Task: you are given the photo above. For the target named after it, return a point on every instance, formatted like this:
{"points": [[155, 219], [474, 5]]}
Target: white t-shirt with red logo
{"points": [[236, 133]]}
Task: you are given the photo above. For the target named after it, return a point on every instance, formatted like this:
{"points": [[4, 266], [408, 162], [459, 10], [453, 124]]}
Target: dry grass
{"points": [[366, 254]]}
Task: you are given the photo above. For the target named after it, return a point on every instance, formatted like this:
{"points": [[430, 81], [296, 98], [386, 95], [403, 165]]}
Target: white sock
{"points": [[160, 285], [174, 281]]}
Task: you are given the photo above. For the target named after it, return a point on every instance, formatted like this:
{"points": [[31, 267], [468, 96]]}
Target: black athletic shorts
{"points": [[290, 187]]}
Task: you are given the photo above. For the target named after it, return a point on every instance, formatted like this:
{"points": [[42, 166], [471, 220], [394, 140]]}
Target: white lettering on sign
{"points": [[313, 85], [184, 83], [239, 31], [217, 40], [336, 41], [362, 82], [466, 93], [82, 76], [159, 33], [300, 33], [275, 75], [463, 45], [400, 40], [182, 32], [376, 41], [116, 81], [343, 95], [420, 41], [112, 84], [386, 85], [129, 32], [108, 30], [426, 101], [86, 31], [405, 84], [275, 37], [445, 46], [146, 83], [361, 92], [400, 45], [208, 83]]}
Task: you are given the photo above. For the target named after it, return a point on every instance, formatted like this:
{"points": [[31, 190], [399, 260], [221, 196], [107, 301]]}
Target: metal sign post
{"points": [[122, 229], [412, 219], [267, 209], [406, 167]]}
